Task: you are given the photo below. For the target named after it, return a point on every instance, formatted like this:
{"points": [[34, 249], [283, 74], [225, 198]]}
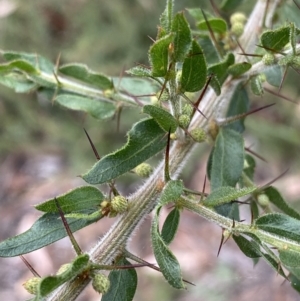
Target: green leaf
{"points": [[139, 71], [46, 230], [280, 225], [171, 192], [81, 198], [158, 55], [274, 75], [166, 260], [219, 70], [194, 70], [18, 64], [276, 199], [95, 107], [18, 82], [182, 38], [136, 86], [123, 283], [167, 16], [83, 73], [216, 24], [145, 140], [227, 159], [246, 246], [291, 260], [38, 62], [209, 49], [275, 39], [226, 194], [239, 104], [165, 120], [50, 283], [256, 85], [238, 69], [170, 226]]}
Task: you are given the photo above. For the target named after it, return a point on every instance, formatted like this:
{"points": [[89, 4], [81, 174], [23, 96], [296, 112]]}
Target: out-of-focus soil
{"points": [[26, 180]]}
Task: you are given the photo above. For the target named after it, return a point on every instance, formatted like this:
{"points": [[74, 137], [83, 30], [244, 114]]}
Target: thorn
{"points": [[252, 215], [134, 97], [167, 171], [203, 189], [255, 154], [280, 95], [270, 49], [274, 180], [195, 108], [150, 265], [242, 49], [165, 81], [233, 223], [215, 8], [68, 230], [92, 145], [283, 78], [296, 4], [240, 116], [119, 112], [30, 267], [201, 95], [212, 34], [221, 243], [250, 54]]}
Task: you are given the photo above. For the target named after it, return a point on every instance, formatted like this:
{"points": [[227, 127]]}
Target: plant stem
{"points": [[143, 201]]}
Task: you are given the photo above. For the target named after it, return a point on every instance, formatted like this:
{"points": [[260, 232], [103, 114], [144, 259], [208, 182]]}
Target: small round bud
{"points": [[173, 136], [213, 129], [101, 283], [237, 29], [163, 96], [154, 101], [63, 268], [238, 17], [268, 59], [246, 164], [143, 170], [226, 234], [187, 109], [119, 204], [263, 200], [184, 121], [31, 285], [109, 93], [199, 135], [105, 207]]}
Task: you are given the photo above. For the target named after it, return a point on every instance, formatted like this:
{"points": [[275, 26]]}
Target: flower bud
{"points": [[143, 170], [101, 283], [238, 17], [119, 204], [163, 96], [184, 121], [31, 285], [268, 59], [263, 200], [63, 268], [199, 135], [237, 29], [187, 109]]}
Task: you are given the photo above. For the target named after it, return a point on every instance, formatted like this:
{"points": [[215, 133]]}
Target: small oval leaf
{"points": [[276, 39], [81, 198], [165, 120], [83, 73], [194, 70], [170, 226], [238, 69], [216, 25], [95, 107], [246, 246], [226, 194]]}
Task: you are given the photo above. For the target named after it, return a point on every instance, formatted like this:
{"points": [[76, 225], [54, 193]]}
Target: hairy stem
{"points": [[143, 201]]}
